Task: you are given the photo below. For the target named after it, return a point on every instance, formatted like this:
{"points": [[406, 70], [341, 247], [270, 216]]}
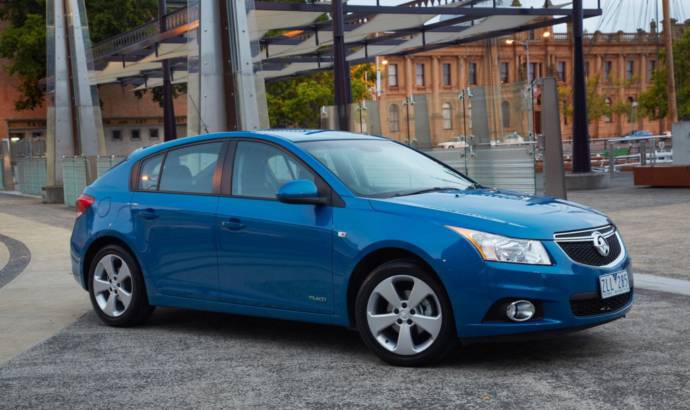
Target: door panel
{"points": [[177, 241], [271, 253], [175, 213], [275, 254]]}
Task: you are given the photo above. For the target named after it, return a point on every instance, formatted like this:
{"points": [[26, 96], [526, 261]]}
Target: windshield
{"points": [[379, 168]]}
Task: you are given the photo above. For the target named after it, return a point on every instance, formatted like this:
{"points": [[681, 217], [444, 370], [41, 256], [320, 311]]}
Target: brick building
{"points": [[623, 62]]}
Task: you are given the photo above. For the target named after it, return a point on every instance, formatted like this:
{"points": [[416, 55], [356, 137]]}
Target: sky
{"points": [[626, 15]]}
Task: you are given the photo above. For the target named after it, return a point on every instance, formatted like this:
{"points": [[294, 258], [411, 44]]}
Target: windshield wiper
{"points": [[427, 190]]}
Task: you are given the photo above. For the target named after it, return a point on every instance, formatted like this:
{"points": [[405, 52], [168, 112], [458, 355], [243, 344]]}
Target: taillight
{"points": [[83, 203]]}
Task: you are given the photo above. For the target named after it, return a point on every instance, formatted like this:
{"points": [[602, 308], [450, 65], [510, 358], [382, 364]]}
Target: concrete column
{"points": [[59, 130], [210, 77], [409, 76], [85, 97]]}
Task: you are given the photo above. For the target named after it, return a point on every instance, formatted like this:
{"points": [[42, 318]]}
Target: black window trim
{"points": [[217, 173], [222, 176]]}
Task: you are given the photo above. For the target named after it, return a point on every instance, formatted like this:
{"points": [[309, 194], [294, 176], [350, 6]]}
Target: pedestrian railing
{"points": [[31, 175]]}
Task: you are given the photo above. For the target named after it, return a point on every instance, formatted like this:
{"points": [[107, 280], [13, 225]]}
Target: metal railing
{"points": [[146, 31], [619, 37]]}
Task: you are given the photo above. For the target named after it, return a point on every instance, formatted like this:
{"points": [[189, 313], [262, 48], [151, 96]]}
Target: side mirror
{"points": [[300, 191]]}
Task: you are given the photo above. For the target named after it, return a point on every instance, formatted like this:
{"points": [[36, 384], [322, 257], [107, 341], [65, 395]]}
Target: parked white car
{"points": [[455, 143]]}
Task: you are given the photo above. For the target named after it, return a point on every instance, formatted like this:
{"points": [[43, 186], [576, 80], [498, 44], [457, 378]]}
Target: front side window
{"points": [[261, 169], [380, 168], [191, 169], [149, 173]]}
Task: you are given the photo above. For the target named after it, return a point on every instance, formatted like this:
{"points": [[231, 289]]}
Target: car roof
{"points": [[299, 135], [290, 135]]}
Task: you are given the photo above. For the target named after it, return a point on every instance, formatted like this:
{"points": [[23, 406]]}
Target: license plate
{"points": [[614, 284]]}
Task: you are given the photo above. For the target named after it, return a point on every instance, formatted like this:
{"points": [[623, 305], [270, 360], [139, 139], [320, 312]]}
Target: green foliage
{"points": [[654, 101], [23, 43], [157, 92], [297, 102], [596, 103], [23, 40]]}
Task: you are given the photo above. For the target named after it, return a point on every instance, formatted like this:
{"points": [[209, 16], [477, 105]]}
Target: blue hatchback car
{"points": [[344, 229]]}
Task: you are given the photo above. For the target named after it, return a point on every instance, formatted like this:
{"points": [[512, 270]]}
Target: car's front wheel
{"points": [[117, 289], [404, 316]]}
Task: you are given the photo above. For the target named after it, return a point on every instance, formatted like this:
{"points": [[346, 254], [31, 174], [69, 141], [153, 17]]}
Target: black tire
{"points": [[138, 310], [443, 343]]}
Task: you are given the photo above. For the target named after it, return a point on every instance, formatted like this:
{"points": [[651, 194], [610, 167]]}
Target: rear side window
{"points": [[261, 169], [191, 169], [150, 171]]}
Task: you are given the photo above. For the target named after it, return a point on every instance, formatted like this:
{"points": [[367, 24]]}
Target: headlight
{"points": [[502, 249]]}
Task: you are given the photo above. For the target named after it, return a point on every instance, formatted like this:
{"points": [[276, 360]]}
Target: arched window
{"points": [[505, 113], [394, 118], [609, 103], [447, 115]]}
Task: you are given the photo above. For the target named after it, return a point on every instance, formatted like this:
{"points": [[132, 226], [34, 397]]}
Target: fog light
{"points": [[520, 311]]}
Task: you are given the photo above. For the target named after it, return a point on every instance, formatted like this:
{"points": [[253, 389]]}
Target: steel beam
{"points": [[341, 75], [581, 155], [169, 126]]}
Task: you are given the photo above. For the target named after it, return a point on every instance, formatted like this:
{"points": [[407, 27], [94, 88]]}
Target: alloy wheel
{"points": [[112, 285], [404, 315]]}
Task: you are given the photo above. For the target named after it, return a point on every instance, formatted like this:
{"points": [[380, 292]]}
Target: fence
{"points": [[31, 175], [75, 174]]}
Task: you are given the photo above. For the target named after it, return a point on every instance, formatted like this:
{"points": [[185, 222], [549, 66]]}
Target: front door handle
{"points": [[148, 213], [232, 224]]}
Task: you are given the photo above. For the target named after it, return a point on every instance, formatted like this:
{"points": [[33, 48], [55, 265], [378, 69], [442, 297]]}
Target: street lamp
{"points": [[361, 106], [407, 102]]}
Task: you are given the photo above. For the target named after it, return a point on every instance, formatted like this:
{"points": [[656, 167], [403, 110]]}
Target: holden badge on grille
{"points": [[600, 243]]}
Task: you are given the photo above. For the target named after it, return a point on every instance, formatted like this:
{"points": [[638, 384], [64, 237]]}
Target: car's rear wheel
{"points": [[404, 316], [117, 289]]}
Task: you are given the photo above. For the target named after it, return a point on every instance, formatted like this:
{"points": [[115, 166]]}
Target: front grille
{"points": [[579, 245], [590, 304]]}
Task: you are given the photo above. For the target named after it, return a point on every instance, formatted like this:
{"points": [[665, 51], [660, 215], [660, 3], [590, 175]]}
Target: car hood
{"points": [[501, 212]]}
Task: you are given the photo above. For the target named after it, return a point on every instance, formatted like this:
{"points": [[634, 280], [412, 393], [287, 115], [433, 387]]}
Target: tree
{"points": [[597, 106], [23, 40], [297, 102], [654, 101]]}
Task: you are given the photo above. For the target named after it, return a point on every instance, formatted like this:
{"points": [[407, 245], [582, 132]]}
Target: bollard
{"points": [[643, 152]]}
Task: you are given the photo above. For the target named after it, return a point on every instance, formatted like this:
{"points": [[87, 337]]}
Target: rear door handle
{"points": [[148, 213], [232, 224]]}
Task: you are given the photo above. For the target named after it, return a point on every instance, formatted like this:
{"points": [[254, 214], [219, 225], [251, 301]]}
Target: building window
{"points": [[394, 118], [392, 75], [609, 103], [504, 73], [608, 67], [153, 133], [116, 135], [505, 113], [587, 69], [629, 70], [136, 134], [473, 74], [533, 71], [531, 35], [419, 77], [651, 69], [446, 74], [447, 114], [560, 71]]}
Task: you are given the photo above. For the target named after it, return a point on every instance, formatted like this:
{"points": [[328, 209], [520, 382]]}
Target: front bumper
{"points": [[552, 288]]}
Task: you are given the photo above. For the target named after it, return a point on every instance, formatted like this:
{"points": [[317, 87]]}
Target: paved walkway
{"points": [[43, 298]]}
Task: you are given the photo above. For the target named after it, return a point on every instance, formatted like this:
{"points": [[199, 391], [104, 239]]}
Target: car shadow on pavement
{"points": [[308, 337]]}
